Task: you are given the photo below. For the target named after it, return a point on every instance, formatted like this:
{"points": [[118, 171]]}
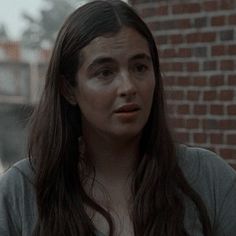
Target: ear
{"points": [[67, 91]]}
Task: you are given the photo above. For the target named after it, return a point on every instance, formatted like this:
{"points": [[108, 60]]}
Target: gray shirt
{"points": [[208, 174]]}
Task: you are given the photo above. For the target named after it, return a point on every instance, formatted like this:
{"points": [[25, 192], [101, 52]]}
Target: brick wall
{"points": [[197, 48]]}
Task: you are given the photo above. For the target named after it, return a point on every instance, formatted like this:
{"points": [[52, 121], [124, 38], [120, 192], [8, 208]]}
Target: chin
{"points": [[128, 133]]}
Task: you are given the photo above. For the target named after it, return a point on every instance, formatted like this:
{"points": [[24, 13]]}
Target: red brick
{"points": [[153, 25], [217, 80], [226, 95], [227, 65], [200, 22], [200, 81], [211, 148], [217, 109], [192, 123], [166, 25], [183, 24], [184, 52], [200, 51], [228, 153], [165, 66], [208, 37], [176, 39], [183, 109], [171, 108], [224, 152], [169, 80], [175, 94], [227, 124], [193, 95], [192, 66], [218, 50], [232, 19], [186, 8], [168, 53], [231, 139], [226, 4], [193, 38], [178, 122], [227, 35], [148, 12], [209, 65], [210, 5], [163, 39], [199, 137], [232, 164], [184, 81], [218, 20], [209, 95], [232, 79], [200, 109], [12, 49], [211, 124], [232, 49], [162, 10], [177, 66], [182, 136], [173, 24], [216, 138], [231, 110]]}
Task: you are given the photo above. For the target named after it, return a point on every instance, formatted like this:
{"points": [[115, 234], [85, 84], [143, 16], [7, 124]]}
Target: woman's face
{"points": [[115, 84]]}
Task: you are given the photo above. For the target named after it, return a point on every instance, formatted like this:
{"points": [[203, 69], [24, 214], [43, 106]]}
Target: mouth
{"points": [[128, 108]]}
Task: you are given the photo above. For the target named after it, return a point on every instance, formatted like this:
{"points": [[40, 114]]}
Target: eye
{"points": [[140, 68], [104, 73]]}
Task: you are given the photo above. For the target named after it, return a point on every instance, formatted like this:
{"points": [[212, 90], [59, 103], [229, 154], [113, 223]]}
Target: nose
{"points": [[127, 86]]}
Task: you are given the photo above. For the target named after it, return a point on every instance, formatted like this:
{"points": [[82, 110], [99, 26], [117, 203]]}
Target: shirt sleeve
{"points": [[221, 184], [226, 221], [9, 204]]}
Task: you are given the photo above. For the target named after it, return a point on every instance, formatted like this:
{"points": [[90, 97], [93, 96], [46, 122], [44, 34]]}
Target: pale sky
{"points": [[10, 14]]}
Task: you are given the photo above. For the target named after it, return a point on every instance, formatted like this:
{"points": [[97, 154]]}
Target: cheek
{"points": [[148, 90], [88, 102], [93, 102]]}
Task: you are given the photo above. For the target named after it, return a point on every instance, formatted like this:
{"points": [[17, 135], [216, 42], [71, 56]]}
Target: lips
{"points": [[128, 108]]}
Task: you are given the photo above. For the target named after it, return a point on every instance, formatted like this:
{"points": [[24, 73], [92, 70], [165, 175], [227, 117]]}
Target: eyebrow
{"points": [[141, 56], [102, 60]]}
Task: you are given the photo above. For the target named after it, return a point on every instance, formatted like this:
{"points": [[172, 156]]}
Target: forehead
{"points": [[126, 42]]}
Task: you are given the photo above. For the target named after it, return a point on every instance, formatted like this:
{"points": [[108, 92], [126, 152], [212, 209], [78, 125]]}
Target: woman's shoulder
{"points": [[215, 181], [17, 200], [209, 174], [197, 162], [21, 173]]}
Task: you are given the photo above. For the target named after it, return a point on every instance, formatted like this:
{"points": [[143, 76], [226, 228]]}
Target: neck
{"points": [[113, 159]]}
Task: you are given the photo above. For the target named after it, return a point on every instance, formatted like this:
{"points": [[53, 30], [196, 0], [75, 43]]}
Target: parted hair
{"points": [[158, 184]]}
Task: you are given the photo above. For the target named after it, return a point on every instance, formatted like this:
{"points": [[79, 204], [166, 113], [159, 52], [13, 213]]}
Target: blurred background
{"points": [[27, 32], [196, 41]]}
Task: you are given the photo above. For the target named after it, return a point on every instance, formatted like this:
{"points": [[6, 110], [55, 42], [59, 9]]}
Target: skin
{"points": [[105, 86], [112, 139], [124, 77]]}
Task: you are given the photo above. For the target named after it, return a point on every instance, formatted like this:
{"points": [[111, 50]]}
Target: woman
{"points": [[103, 161]]}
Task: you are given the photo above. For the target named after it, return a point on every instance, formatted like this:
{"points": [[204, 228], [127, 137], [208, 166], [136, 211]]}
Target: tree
{"points": [[43, 30], [3, 33]]}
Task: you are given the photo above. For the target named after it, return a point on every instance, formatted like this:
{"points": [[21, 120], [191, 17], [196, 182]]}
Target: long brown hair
{"points": [[158, 183]]}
